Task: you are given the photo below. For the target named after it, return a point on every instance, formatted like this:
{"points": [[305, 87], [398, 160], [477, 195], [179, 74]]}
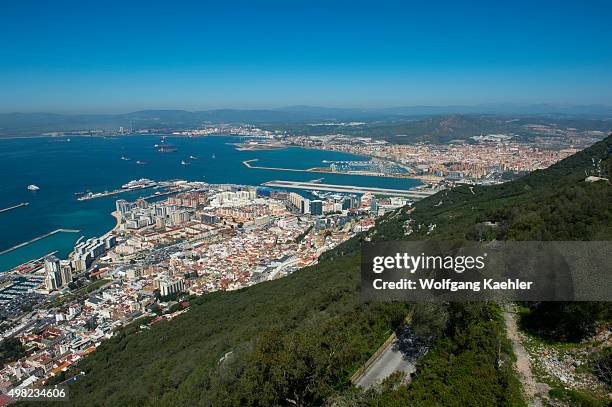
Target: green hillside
{"points": [[297, 340]]}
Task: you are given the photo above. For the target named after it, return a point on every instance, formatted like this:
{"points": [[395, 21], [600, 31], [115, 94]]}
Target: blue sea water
{"points": [[60, 168]]}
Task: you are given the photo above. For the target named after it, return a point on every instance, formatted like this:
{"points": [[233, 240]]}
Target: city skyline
{"points": [[115, 58]]}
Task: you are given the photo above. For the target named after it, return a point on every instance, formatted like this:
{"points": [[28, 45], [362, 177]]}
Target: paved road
{"points": [[400, 356], [316, 186]]}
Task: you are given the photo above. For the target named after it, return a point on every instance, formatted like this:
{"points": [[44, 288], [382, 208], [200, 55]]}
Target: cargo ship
{"points": [[166, 148]]}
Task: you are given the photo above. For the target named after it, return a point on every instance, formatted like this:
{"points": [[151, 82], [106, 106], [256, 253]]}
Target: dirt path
{"points": [[535, 392]]}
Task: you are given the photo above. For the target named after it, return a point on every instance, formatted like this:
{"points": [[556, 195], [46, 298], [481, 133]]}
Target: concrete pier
{"points": [[14, 207], [10, 249]]}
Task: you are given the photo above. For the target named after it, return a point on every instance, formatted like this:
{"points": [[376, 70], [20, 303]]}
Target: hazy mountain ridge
{"points": [[16, 124], [449, 127]]}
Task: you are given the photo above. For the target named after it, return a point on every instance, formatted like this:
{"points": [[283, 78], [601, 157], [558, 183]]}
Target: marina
{"points": [[32, 265]]}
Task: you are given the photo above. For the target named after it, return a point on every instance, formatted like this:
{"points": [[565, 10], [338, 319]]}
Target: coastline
{"points": [[427, 179], [95, 213], [117, 217], [115, 228]]}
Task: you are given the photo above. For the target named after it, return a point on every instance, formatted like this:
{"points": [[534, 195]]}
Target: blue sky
{"points": [[117, 56]]}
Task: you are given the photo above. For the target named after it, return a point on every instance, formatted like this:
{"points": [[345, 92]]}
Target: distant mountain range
{"points": [[18, 124]]}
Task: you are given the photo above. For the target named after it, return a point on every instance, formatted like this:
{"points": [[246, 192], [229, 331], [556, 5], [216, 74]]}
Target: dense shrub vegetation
{"points": [[565, 321], [10, 350]]}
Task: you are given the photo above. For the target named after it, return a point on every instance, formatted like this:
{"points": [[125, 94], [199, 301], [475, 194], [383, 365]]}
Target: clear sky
{"points": [[118, 56]]}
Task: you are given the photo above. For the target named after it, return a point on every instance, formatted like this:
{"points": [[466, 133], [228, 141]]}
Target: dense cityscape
{"points": [[206, 239]]}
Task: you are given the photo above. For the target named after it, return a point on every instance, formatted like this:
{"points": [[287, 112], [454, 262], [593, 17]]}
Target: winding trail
{"points": [[535, 392]]}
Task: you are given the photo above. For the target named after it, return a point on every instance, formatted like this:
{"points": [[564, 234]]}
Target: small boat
{"points": [[193, 157], [184, 163], [213, 156], [33, 187], [140, 162], [125, 158]]}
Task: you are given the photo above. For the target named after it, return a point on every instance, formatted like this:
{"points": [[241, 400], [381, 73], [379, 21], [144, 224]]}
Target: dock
{"points": [[94, 195], [10, 249], [31, 265], [351, 189], [14, 207], [163, 194]]}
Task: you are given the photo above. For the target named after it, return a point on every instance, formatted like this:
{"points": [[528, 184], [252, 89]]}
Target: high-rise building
{"points": [[86, 252], [209, 219], [53, 275], [305, 205], [316, 207], [52, 264], [141, 203], [161, 210], [123, 206], [65, 272], [373, 205], [110, 242], [295, 199], [168, 287], [51, 282]]}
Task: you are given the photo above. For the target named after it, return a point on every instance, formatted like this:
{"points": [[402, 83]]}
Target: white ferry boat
{"points": [[139, 183]]}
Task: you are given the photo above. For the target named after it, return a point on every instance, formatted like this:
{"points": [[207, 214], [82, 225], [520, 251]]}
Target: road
{"points": [[414, 194], [400, 356]]}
